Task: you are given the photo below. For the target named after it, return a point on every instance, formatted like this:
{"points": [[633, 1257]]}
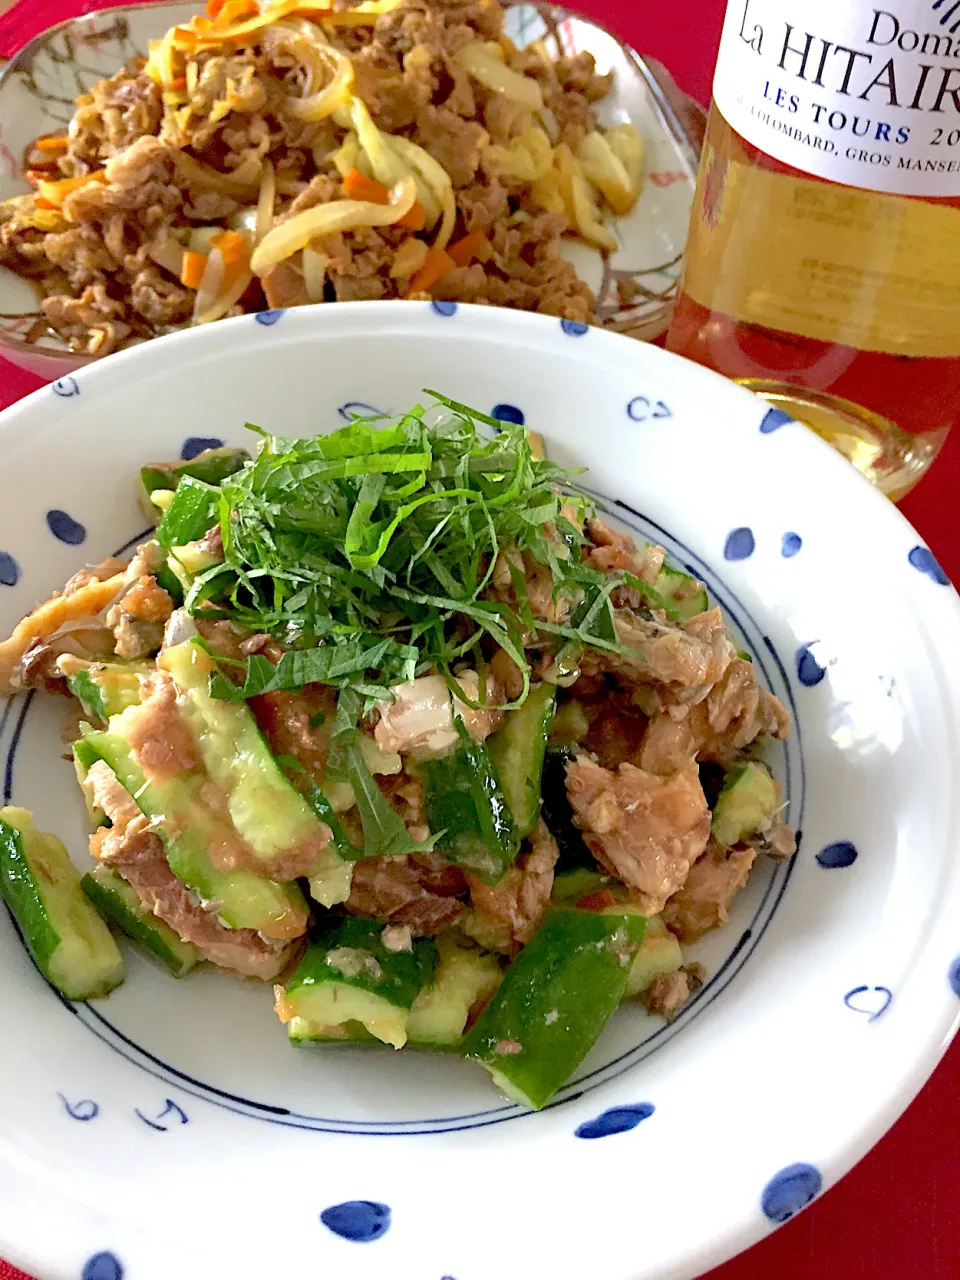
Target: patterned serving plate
{"points": [[170, 1131], [39, 85]]}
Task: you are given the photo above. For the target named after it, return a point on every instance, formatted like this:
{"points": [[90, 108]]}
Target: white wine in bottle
{"points": [[823, 267]]}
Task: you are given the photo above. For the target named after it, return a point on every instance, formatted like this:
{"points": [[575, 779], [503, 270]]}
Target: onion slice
{"points": [[409, 258], [606, 171], [485, 66], [528, 157], [268, 191], [211, 282], [385, 160], [327, 219], [314, 273], [167, 253], [241, 181]]}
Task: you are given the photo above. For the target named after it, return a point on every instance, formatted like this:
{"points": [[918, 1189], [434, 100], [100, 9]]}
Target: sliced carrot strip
{"points": [[437, 264], [51, 142], [233, 10], [416, 219], [358, 186], [465, 249], [41, 203], [56, 191], [213, 8], [192, 269], [232, 245]]}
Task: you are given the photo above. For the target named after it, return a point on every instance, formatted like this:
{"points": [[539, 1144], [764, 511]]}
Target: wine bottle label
{"points": [[852, 269], [860, 93]]}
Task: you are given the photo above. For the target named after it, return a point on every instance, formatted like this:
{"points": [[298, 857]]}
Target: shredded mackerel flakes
{"points": [[354, 961], [508, 1047], [397, 937]]}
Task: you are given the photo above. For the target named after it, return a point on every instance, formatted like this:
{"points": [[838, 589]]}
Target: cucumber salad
{"points": [[392, 719]]}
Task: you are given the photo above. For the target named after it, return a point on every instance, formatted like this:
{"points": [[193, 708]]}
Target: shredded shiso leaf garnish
{"points": [[369, 553]]}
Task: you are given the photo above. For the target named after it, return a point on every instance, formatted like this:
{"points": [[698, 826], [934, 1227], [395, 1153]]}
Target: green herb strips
{"points": [[369, 553]]}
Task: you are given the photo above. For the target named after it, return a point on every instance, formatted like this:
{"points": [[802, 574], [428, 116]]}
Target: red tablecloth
{"points": [[897, 1215]]}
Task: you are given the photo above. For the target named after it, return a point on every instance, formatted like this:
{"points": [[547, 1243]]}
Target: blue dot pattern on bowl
{"points": [[615, 1120], [196, 444], [358, 1220], [574, 328], [64, 527], [953, 977], [9, 570], [740, 544], [842, 853], [444, 308], [508, 413], [269, 317], [103, 1266], [65, 387], [809, 670], [922, 558], [790, 545], [773, 420], [790, 1190], [872, 1001]]}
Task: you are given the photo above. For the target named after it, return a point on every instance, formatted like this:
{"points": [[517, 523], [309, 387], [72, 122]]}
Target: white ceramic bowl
{"points": [[170, 1131], [38, 87]]}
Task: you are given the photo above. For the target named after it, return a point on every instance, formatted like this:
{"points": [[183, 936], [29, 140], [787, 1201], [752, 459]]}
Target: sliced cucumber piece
{"points": [[464, 978], [104, 689], [348, 975], [83, 757], [659, 954], [191, 513], [301, 1032], [517, 750], [684, 594], [554, 1001], [73, 948], [569, 886], [569, 725], [189, 829], [747, 801], [465, 801], [266, 809], [121, 903], [212, 466]]}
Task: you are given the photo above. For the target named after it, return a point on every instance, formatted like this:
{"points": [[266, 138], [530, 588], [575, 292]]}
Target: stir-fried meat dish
{"points": [[392, 717], [267, 158]]}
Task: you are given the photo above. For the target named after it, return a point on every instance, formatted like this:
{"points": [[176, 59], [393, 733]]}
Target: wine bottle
{"points": [[823, 265]]}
